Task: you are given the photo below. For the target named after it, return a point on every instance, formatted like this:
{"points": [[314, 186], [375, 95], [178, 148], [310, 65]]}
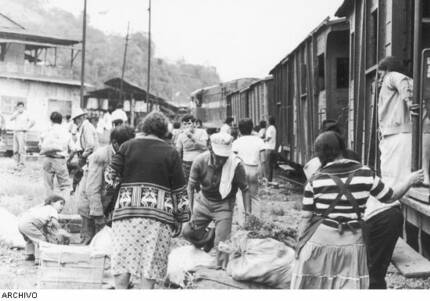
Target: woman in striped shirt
{"points": [[331, 253]]}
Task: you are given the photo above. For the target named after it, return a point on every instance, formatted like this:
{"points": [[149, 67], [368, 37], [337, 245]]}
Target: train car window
{"points": [[426, 9], [372, 40], [321, 72], [3, 50], [342, 71], [303, 78]]}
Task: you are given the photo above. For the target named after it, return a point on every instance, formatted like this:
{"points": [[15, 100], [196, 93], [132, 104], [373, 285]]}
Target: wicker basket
{"points": [[70, 267]]}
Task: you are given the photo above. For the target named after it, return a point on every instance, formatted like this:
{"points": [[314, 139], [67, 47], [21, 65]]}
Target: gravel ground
{"points": [[21, 190]]}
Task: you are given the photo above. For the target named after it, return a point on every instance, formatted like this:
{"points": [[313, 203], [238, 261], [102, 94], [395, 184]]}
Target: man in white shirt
{"points": [[250, 149], [270, 149], [119, 116], [23, 123], [54, 144], [226, 127]]}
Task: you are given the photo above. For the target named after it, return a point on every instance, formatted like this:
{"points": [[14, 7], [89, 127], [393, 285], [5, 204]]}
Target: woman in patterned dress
{"points": [[150, 207]]}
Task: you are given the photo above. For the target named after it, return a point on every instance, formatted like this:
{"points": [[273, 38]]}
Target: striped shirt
{"points": [[321, 190]]}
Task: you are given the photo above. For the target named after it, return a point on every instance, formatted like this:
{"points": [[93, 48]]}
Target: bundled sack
{"points": [[263, 261], [185, 259], [102, 242], [9, 233]]}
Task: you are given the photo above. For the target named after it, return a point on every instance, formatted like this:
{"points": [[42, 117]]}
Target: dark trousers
{"points": [[382, 232], [90, 227]]}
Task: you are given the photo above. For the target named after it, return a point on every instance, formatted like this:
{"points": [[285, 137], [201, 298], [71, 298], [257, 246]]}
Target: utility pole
{"points": [[148, 81], [124, 61], [84, 38]]}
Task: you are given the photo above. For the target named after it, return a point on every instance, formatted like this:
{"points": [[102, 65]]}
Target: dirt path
{"points": [[21, 190]]}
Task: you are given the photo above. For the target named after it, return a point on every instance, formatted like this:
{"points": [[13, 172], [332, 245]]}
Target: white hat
{"points": [[77, 113], [221, 144]]}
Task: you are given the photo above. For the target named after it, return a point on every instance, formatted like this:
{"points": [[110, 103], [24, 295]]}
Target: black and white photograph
{"points": [[214, 145]]}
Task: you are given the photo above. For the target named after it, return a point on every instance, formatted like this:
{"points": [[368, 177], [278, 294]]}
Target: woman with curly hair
{"points": [[150, 206]]}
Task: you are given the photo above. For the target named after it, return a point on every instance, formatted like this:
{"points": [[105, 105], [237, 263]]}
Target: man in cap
{"points": [[87, 137], [219, 174]]}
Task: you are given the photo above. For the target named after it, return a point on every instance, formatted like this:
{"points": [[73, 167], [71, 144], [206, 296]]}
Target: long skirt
{"points": [[330, 260], [140, 247]]}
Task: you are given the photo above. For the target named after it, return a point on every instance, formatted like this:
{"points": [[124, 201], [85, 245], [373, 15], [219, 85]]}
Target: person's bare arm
{"points": [[399, 191]]}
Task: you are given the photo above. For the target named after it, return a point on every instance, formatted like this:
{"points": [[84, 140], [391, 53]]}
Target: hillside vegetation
{"points": [[172, 81]]}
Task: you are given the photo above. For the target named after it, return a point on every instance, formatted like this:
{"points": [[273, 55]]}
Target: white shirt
{"points": [[22, 121], [271, 133], [119, 114], [107, 121], [39, 215], [56, 137], [248, 148], [225, 128]]}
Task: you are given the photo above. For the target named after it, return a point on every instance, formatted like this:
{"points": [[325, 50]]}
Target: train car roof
{"points": [[327, 23], [346, 6]]}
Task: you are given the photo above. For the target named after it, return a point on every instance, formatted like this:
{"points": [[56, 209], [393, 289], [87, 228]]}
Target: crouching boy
{"points": [[41, 224], [219, 173]]}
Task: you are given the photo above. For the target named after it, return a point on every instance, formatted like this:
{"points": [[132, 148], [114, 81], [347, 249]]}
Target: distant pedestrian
{"points": [[150, 207], [176, 131], [331, 253], [53, 145], [262, 131], [226, 127], [87, 139], [95, 202], [40, 223], [119, 116], [250, 149], [199, 124], [190, 143], [270, 139], [23, 123]]}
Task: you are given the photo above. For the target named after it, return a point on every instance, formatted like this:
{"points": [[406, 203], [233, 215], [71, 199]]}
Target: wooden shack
{"points": [[133, 98], [31, 72]]}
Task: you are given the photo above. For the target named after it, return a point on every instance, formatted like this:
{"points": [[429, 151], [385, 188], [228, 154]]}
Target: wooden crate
{"points": [[70, 267]]}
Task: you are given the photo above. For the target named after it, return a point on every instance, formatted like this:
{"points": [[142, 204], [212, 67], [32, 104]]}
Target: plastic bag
{"points": [[264, 261], [185, 259], [9, 233], [102, 242]]}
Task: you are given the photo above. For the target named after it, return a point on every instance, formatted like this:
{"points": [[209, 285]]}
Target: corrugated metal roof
{"points": [[67, 82], [24, 35]]}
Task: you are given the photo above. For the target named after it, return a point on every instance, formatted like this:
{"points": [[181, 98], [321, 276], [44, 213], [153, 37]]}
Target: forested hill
{"points": [[173, 81]]}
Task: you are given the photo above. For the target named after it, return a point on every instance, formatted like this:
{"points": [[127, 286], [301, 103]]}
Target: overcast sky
{"points": [[241, 38]]}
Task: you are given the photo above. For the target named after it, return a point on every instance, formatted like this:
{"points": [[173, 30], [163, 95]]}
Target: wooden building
{"points": [[133, 98], [30, 72]]}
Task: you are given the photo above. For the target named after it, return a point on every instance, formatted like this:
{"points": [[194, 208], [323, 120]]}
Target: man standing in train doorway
{"points": [[384, 222]]}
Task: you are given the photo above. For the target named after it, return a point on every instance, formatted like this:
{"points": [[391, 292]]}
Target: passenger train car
{"points": [[332, 74]]}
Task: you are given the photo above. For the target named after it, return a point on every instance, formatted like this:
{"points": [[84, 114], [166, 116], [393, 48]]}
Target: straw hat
{"points": [[78, 113], [221, 144]]}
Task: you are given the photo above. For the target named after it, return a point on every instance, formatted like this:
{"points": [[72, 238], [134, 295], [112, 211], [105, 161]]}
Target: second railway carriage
{"points": [[309, 85], [210, 104]]}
